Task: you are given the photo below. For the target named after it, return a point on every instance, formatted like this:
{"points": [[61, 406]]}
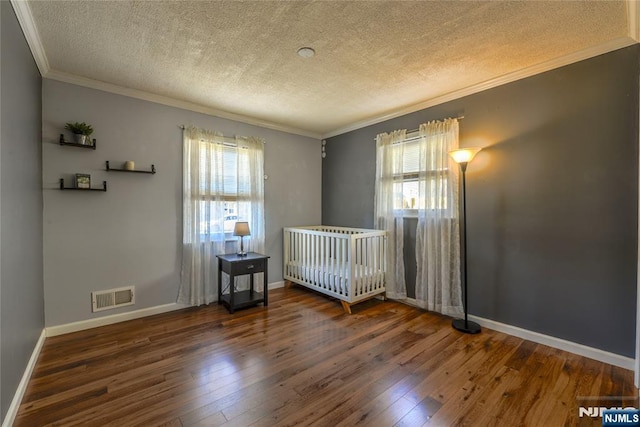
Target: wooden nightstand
{"points": [[236, 265]]}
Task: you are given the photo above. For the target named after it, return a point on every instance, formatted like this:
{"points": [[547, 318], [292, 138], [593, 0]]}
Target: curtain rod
{"points": [[413, 134], [417, 130], [226, 139]]}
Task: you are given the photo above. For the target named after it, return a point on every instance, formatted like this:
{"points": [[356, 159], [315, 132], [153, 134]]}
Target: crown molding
{"points": [[172, 102], [571, 58], [25, 18], [633, 16], [31, 34]]}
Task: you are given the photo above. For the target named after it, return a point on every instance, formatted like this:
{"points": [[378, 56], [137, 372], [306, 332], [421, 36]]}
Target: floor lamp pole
{"points": [[464, 325]]}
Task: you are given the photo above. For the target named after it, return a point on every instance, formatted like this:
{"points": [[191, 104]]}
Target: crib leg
{"points": [[346, 306], [288, 284]]}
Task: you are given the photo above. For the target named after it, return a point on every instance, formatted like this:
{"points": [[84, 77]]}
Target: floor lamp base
{"points": [[468, 327]]}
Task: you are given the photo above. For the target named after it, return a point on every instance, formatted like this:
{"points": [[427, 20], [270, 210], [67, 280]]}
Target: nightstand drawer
{"points": [[254, 266]]}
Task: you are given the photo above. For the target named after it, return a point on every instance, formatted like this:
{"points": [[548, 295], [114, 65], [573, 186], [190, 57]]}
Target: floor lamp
{"points": [[463, 156]]}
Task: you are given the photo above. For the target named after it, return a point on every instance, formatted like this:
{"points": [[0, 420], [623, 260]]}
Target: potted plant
{"points": [[81, 132]]}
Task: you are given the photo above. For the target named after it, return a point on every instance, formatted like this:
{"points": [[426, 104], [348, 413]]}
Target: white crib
{"points": [[345, 263]]}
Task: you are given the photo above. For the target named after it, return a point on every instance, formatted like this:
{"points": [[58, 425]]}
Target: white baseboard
{"points": [[22, 387], [572, 347], [81, 325], [276, 285]]}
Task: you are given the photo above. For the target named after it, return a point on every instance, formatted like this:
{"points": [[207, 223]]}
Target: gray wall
{"points": [[552, 200], [132, 234], [22, 301]]}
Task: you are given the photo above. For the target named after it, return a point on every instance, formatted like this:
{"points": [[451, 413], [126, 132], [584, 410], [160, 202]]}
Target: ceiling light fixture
{"points": [[306, 52]]}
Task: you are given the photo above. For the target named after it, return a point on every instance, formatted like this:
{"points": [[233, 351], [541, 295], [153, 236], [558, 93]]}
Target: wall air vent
{"points": [[112, 298]]}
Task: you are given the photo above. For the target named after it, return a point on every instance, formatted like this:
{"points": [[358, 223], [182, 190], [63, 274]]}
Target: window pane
{"points": [[218, 179], [225, 167], [230, 216], [411, 157], [412, 182], [436, 194], [409, 191]]}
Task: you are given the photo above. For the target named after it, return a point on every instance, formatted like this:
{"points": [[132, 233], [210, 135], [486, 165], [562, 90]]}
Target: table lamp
{"points": [[241, 229]]}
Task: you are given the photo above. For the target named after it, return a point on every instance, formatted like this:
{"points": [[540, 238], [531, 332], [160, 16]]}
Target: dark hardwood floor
{"points": [[302, 361]]}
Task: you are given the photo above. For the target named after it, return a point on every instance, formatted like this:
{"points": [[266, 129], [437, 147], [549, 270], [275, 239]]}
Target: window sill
{"points": [[410, 213], [413, 213]]}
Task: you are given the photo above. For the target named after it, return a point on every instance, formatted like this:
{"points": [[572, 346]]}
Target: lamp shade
{"points": [[464, 155], [241, 229]]}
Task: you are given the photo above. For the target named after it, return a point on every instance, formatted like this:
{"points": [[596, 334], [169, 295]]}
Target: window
{"points": [[410, 182], [213, 220], [415, 176], [223, 184]]}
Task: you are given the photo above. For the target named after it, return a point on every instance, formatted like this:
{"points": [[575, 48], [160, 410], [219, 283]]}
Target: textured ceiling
{"points": [[373, 57]]}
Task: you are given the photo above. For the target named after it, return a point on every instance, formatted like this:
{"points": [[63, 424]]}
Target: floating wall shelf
{"points": [[62, 187], [152, 171], [73, 144]]}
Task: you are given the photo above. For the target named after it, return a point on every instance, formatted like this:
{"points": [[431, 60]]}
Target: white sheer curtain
{"points": [[216, 173], [438, 234], [389, 164], [251, 190]]}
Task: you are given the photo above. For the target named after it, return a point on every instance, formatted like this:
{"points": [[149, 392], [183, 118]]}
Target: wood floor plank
{"points": [[302, 361]]}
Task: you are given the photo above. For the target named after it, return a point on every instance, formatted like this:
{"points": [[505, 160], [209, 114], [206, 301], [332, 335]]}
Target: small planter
{"points": [[79, 138], [81, 132]]}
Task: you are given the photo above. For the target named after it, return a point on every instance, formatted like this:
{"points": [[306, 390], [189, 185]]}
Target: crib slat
{"points": [[353, 280], [319, 265], [369, 269], [307, 261], [353, 266], [361, 275], [319, 261], [325, 261], [333, 264], [371, 264], [362, 278], [363, 261], [338, 264], [296, 255], [310, 257], [314, 258], [342, 267], [376, 254], [300, 255], [303, 260], [287, 254]]}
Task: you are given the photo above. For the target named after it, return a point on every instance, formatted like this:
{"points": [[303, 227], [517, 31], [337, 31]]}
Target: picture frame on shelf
{"points": [[83, 180]]}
